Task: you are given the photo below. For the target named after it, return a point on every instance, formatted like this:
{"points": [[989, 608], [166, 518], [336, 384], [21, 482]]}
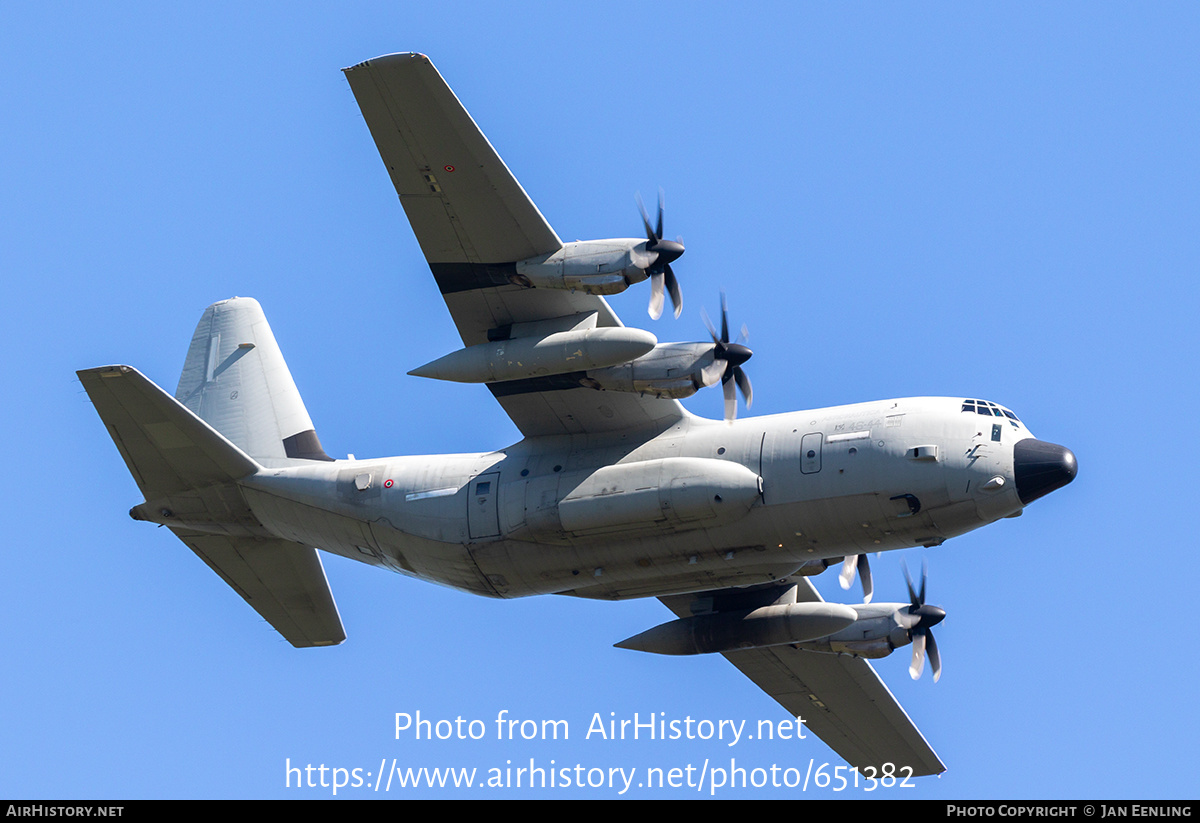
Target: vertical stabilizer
{"points": [[235, 379]]}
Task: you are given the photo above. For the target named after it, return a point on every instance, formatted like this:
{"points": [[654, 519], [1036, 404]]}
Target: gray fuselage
{"points": [[701, 505]]}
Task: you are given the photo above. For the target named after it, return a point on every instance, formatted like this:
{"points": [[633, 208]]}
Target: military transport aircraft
{"points": [[615, 491]]}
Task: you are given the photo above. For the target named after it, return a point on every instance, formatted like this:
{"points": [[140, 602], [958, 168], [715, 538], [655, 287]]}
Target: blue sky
{"points": [[996, 200]]}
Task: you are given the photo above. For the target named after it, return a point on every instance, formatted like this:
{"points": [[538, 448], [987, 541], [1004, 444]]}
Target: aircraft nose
{"points": [[1041, 467]]}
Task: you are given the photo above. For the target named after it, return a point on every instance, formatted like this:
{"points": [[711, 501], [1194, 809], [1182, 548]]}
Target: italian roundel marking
{"points": [[448, 167], [387, 484]]}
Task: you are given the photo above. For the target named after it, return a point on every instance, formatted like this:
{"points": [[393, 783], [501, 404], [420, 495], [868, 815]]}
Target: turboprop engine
{"points": [[679, 370], [611, 266], [870, 630], [592, 266], [604, 358]]}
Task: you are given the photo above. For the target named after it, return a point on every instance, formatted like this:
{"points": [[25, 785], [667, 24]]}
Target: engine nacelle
{"points": [[669, 370], [592, 266], [874, 634]]}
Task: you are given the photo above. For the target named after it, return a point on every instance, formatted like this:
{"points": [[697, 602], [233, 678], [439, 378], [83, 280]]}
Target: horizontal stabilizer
{"points": [[281, 580], [176, 457], [167, 448]]}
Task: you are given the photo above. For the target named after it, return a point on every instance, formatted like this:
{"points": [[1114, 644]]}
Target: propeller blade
{"points": [[846, 577], [650, 236], [656, 295], [659, 231], [656, 259], [730, 399], [906, 619], [918, 619], [709, 325], [673, 290], [743, 383], [864, 572], [724, 318], [935, 660], [713, 372], [729, 357], [912, 592], [918, 656], [859, 563]]}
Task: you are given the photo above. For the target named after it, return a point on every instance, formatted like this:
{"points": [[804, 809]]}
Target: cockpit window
{"points": [[988, 409]]}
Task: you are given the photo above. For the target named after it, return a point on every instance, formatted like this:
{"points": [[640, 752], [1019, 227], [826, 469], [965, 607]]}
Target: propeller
{"points": [[919, 619], [727, 362], [659, 269], [846, 578]]}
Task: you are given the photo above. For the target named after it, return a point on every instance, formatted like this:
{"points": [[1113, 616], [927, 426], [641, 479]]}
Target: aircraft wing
{"points": [[840, 697], [474, 222]]}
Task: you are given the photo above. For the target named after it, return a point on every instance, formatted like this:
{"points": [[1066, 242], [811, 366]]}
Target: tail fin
{"points": [[235, 379]]}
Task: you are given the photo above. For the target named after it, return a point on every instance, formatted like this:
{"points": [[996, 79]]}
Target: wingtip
{"points": [[105, 371], [388, 58]]}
